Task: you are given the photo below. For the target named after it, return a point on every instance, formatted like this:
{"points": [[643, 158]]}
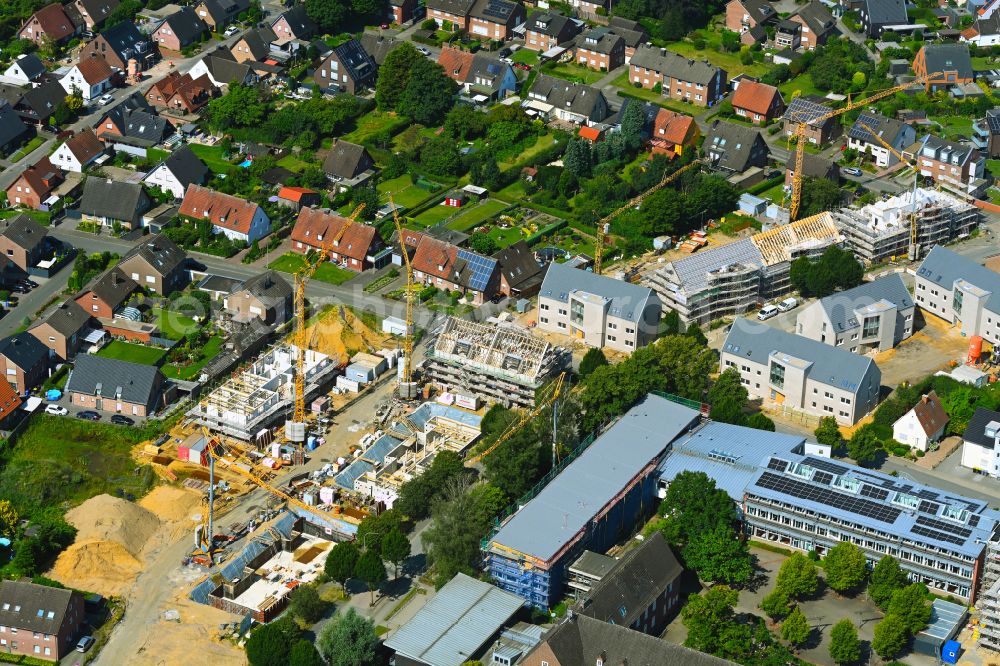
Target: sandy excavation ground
{"points": [[115, 537], [339, 333]]}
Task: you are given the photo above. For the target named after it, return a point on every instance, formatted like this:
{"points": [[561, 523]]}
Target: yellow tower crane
{"points": [[804, 122], [521, 421], [604, 226], [295, 428], [407, 389]]}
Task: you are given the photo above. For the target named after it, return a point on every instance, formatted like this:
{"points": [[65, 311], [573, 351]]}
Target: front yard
{"points": [[133, 353], [291, 262], [574, 73], [28, 148], [648, 95], [525, 56]]}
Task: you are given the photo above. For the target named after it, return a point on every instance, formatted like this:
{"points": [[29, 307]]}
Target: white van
{"points": [[767, 312], [788, 304]]}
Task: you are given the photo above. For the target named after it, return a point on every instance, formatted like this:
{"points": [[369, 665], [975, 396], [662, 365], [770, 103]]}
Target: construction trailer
{"points": [[885, 229], [408, 449], [495, 362], [738, 277], [257, 396], [596, 500]]}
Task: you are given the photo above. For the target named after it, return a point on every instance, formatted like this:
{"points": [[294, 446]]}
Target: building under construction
{"points": [[408, 449], [883, 230], [731, 279], [497, 363], [255, 397]]}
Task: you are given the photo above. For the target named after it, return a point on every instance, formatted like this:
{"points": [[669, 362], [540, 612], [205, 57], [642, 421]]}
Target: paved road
{"points": [[29, 303]]}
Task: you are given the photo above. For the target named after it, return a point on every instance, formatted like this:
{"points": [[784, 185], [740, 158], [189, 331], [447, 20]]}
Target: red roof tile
{"points": [[434, 257], [85, 145], [222, 210], [316, 228], [754, 97], [53, 21], [94, 69], [42, 177], [456, 63], [672, 126], [9, 399], [591, 134], [294, 193]]}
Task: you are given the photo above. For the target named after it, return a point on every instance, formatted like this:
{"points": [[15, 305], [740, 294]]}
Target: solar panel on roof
{"points": [[873, 492], [944, 527], [806, 491], [823, 477], [994, 123], [973, 521], [938, 536], [777, 464], [826, 465], [480, 267], [928, 507]]}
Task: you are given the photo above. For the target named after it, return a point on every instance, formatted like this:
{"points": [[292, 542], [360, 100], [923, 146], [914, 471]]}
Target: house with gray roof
{"points": [[63, 329], [179, 30], [267, 297], [546, 29], [116, 386], [24, 361], [47, 620], [818, 24], [579, 639], [807, 110], [37, 104], [862, 137], [121, 43], [156, 263], [25, 69], [877, 14], [801, 374], [960, 291], [459, 624], [874, 316], [347, 68], [107, 293], [733, 148], [686, 79], [378, 46], [222, 69], [181, 168], [13, 132], [571, 102], [598, 310], [348, 164], [110, 201]]}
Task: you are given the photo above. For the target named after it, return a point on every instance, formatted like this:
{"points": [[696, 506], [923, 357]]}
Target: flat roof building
{"points": [[874, 316], [801, 375], [597, 310], [596, 498]]}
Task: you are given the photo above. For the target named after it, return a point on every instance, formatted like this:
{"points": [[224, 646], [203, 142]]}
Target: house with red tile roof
{"points": [[456, 63], [446, 266], [78, 151], [237, 218], [297, 198], [591, 134], [92, 76], [34, 185], [317, 229], [673, 133], [757, 102], [181, 92], [50, 22]]}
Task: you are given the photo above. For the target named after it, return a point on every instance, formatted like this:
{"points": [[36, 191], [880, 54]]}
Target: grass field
{"points": [[525, 57], [476, 215], [60, 459], [953, 127], [433, 215], [41, 216], [541, 143], [174, 325], [133, 353], [727, 61], [155, 155], [512, 193], [370, 124], [505, 237], [212, 156], [404, 191], [993, 166], [331, 273], [575, 73], [293, 163], [803, 83], [622, 83], [188, 372], [28, 148]]}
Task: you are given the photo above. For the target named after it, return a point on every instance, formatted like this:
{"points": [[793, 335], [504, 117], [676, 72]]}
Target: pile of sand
{"points": [[170, 503], [338, 333], [107, 554]]}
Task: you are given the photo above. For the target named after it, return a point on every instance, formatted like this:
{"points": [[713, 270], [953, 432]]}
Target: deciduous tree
{"points": [[429, 93], [910, 604], [304, 653], [8, 518], [341, 562], [371, 570], [706, 617], [395, 549], [306, 604], [828, 432], [776, 604], [797, 577], [795, 629], [269, 644], [728, 398], [846, 567], [720, 556], [887, 577], [845, 648], [693, 505], [890, 636], [348, 640], [593, 359], [865, 446]]}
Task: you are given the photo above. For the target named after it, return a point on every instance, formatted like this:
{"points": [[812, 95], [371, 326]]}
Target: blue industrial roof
{"points": [[912, 511], [456, 623], [628, 301], [543, 526], [830, 365], [944, 267], [425, 412], [730, 455], [482, 268]]}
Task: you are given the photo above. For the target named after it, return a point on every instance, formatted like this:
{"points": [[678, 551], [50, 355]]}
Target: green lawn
{"points": [[512, 193], [803, 83], [189, 372], [41, 216], [727, 61], [525, 57], [128, 351], [433, 215], [541, 143], [983, 62], [28, 148], [505, 237], [293, 163], [953, 127], [213, 157], [993, 166], [174, 325], [58, 460], [573, 72], [622, 83], [155, 155], [327, 272], [404, 191], [476, 215], [371, 124]]}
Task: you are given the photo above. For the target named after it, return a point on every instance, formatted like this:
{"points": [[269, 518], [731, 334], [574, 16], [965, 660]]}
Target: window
{"points": [[543, 306], [957, 301], [777, 375], [870, 328], [577, 309]]}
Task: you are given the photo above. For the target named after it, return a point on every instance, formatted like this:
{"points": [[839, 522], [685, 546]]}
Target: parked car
{"points": [[104, 100], [88, 415], [504, 52], [524, 66], [85, 644], [56, 410], [852, 171], [19, 288], [788, 304], [27, 282], [767, 312], [118, 419], [423, 49], [231, 30]]}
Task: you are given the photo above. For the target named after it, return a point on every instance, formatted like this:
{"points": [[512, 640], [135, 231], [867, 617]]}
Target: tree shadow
{"points": [[414, 565], [814, 639]]}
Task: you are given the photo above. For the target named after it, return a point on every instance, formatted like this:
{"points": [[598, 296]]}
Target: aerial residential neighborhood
{"points": [[500, 332]]}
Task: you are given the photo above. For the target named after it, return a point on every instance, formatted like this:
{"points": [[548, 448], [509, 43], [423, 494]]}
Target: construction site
{"points": [[737, 277], [255, 397], [407, 450], [906, 225], [492, 362]]}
